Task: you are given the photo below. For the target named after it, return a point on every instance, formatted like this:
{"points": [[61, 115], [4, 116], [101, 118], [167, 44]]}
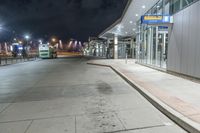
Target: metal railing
{"points": [[14, 60]]}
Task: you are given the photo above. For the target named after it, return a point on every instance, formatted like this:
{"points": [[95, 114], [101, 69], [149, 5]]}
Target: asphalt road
{"points": [[69, 96]]}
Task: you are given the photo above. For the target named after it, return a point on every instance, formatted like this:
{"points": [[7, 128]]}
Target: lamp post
{"points": [[24, 51]]}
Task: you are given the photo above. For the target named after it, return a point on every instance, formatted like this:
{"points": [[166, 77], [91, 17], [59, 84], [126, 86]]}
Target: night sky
{"points": [[66, 19]]}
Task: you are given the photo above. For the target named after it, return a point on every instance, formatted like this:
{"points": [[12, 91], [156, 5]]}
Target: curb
{"points": [[175, 116]]}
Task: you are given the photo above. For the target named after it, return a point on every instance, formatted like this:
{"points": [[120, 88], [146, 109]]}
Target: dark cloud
{"points": [[64, 18]]}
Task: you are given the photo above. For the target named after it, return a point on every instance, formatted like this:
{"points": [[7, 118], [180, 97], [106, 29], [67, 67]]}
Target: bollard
{"points": [[126, 58]]}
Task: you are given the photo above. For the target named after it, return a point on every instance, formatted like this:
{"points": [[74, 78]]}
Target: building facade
{"points": [[166, 34]]}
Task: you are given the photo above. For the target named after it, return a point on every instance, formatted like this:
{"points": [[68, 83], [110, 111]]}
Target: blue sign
{"points": [[156, 19]]}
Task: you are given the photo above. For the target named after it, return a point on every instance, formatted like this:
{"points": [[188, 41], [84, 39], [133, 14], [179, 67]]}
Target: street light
{"points": [[27, 37], [53, 40]]}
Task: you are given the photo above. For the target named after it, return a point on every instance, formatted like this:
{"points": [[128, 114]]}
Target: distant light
{"points": [[40, 41], [131, 22], [20, 48], [143, 6], [126, 32], [11, 48], [53, 40], [20, 42], [15, 39], [27, 37], [136, 15], [133, 29], [158, 6]]}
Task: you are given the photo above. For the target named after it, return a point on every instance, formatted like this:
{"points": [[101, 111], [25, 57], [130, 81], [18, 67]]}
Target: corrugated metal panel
{"points": [[184, 47]]}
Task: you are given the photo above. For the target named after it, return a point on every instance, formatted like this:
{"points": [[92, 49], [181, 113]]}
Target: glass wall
{"points": [[169, 7], [153, 46], [177, 5], [152, 40], [125, 46]]}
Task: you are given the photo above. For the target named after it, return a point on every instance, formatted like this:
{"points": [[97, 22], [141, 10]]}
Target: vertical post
{"points": [[126, 57]]}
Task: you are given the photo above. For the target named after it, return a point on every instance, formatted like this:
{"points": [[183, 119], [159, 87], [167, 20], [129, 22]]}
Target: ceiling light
{"points": [[131, 22], [136, 15], [143, 6]]}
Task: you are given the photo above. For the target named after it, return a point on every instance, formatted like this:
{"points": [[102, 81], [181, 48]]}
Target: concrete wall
{"points": [[184, 44]]}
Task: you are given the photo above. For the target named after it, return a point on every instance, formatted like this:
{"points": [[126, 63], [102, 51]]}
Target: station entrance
{"points": [[154, 46]]}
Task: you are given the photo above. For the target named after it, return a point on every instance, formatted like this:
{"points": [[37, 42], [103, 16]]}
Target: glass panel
{"points": [[160, 7], [174, 6], [187, 2], [154, 10], [166, 7], [154, 46]]}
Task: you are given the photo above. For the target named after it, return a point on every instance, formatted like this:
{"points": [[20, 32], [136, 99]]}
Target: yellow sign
{"points": [[153, 17]]}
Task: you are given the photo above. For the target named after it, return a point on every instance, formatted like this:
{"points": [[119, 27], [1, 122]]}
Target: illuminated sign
{"points": [[153, 17], [156, 19]]}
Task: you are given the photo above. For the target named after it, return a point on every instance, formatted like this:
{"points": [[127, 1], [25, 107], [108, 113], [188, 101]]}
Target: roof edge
{"points": [[118, 20]]}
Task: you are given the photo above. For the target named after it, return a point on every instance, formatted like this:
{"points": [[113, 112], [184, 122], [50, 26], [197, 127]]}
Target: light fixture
{"points": [[136, 15], [133, 29], [27, 37], [131, 22], [143, 6], [53, 39], [126, 32]]}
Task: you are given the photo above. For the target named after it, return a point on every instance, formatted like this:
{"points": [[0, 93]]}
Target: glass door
{"points": [[162, 48]]}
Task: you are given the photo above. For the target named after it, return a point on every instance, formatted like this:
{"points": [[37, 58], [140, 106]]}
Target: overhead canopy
{"points": [[126, 25]]}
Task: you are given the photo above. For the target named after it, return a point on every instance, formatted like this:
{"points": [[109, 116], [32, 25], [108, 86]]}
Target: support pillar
{"points": [[115, 47], [6, 48]]}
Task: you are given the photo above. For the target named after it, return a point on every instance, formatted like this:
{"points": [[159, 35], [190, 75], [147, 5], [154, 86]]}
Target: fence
{"points": [[14, 60]]}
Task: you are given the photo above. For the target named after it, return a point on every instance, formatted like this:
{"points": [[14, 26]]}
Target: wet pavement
{"points": [[69, 96]]}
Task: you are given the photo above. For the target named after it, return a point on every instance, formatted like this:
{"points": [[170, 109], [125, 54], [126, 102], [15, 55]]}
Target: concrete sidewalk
{"points": [[176, 97]]}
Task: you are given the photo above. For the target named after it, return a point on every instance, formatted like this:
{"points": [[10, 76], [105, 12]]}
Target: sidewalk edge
{"points": [[177, 117]]}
